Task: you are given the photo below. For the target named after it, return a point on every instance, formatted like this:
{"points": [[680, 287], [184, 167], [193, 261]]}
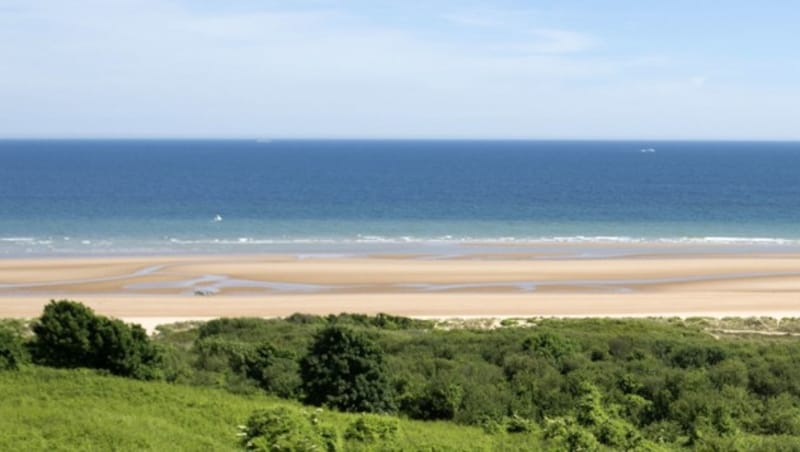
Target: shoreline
{"points": [[56, 248]]}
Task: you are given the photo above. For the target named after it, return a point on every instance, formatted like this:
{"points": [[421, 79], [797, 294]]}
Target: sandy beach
{"points": [[161, 289]]}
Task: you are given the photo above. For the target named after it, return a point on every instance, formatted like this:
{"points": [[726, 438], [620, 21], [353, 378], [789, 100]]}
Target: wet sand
{"points": [[510, 284]]}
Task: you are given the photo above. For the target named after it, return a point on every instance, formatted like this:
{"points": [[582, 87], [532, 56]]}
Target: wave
{"points": [[672, 240], [444, 239], [26, 241], [13, 245]]}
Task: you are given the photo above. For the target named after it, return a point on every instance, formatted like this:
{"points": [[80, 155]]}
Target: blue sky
{"points": [[675, 69]]}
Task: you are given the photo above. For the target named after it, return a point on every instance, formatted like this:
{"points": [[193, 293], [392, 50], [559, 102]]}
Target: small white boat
{"points": [[217, 218], [647, 150]]}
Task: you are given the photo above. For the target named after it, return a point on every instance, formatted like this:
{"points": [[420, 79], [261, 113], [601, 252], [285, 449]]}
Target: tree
{"points": [[345, 370], [125, 350], [64, 335], [69, 334], [275, 370]]}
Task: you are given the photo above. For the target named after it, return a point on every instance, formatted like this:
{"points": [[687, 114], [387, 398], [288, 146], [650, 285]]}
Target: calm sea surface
{"points": [[240, 196]]}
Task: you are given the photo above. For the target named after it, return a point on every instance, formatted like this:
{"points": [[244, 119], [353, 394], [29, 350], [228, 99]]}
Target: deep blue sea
{"points": [[129, 196]]}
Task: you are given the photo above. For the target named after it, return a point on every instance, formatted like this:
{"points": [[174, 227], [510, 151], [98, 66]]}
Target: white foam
{"points": [[450, 239], [24, 245]]}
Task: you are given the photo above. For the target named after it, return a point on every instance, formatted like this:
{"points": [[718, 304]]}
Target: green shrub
{"points": [[491, 426], [286, 429], [276, 371], [372, 428], [781, 416], [345, 370], [438, 400], [12, 350], [304, 319], [69, 334], [239, 327], [731, 372], [550, 346], [698, 356], [219, 354], [566, 434], [517, 424], [636, 408], [381, 320]]}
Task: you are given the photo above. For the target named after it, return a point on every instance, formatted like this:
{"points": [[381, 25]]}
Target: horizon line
{"points": [[462, 139]]}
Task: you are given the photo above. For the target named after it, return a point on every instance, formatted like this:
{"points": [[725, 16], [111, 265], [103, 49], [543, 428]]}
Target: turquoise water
{"points": [[83, 197]]}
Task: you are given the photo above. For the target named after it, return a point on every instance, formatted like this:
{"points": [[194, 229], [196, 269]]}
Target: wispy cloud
{"points": [[524, 31], [165, 67], [698, 80], [560, 41], [488, 17]]}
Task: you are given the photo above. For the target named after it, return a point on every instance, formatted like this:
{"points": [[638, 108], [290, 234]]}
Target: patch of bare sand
{"points": [[730, 284], [717, 304]]}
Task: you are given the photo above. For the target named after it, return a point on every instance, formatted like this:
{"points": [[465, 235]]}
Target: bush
{"points": [[239, 327], [220, 354], [566, 434], [286, 429], [698, 356], [372, 428], [439, 400], [731, 372], [304, 319], [12, 350], [274, 370], [550, 346], [781, 416], [517, 424], [380, 320], [345, 370], [69, 334]]}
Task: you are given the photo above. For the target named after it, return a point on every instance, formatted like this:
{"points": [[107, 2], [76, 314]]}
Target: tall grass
{"points": [[51, 409]]}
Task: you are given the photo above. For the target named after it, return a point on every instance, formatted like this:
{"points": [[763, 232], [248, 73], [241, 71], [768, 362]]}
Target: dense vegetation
{"points": [[591, 384]]}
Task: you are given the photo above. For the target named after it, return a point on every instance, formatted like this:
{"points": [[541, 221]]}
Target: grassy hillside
{"points": [[50, 409], [519, 384]]}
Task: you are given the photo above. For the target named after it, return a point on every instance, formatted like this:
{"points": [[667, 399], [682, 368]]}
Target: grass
{"points": [[52, 409]]}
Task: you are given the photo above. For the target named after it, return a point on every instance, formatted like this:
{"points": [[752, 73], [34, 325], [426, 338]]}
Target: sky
{"points": [[569, 69]]}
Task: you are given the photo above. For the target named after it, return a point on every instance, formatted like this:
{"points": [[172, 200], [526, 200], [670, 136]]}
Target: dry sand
{"points": [[162, 288]]}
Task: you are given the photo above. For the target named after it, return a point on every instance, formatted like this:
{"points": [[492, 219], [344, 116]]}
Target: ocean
{"points": [[337, 196]]}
